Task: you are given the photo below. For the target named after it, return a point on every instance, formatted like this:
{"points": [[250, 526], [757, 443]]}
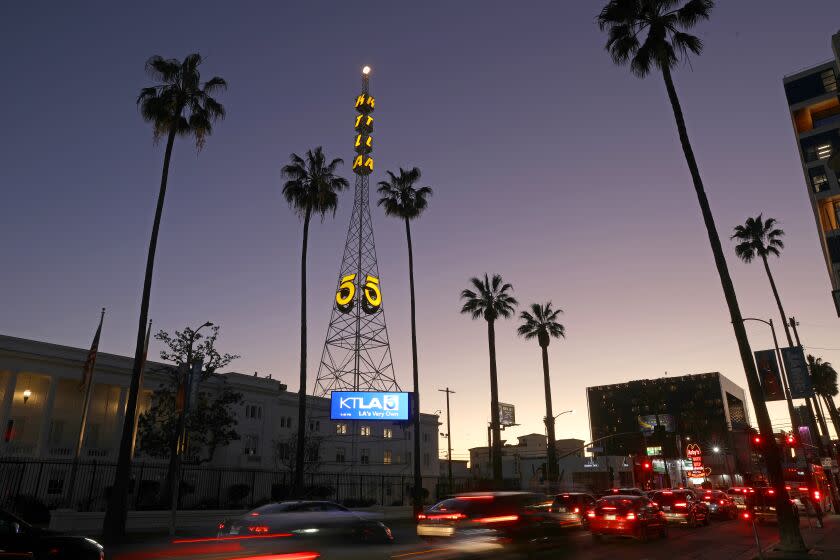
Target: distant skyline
{"points": [[550, 166]]}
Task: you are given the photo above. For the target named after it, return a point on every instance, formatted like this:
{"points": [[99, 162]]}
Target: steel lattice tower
{"points": [[357, 355]]}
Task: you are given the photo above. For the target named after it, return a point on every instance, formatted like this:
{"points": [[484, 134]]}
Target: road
{"points": [[730, 540]]}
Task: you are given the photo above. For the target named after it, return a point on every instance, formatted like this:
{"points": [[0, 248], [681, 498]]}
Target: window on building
{"points": [[341, 429], [364, 430], [387, 433], [425, 437], [819, 179], [824, 150], [317, 425], [283, 451], [289, 422], [427, 460], [829, 80], [56, 432], [408, 435], [408, 458], [339, 455], [250, 445], [365, 457], [282, 421], [386, 456]]}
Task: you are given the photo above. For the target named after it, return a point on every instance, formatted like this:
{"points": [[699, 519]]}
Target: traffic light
{"points": [[646, 465], [757, 440], [790, 440]]}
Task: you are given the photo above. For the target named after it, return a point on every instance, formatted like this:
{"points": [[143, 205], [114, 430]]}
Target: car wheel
{"points": [[692, 521], [642, 536]]}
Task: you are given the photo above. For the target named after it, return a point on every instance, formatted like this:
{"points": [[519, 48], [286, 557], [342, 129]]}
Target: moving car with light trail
{"points": [[681, 507], [308, 519], [570, 508], [19, 539], [626, 516]]}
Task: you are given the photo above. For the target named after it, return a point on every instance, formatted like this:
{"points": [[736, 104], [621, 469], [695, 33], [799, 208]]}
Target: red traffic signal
{"points": [[758, 440], [790, 439], [646, 465]]}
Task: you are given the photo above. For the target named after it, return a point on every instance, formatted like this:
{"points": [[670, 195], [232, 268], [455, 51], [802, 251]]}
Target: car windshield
{"points": [[620, 504]]}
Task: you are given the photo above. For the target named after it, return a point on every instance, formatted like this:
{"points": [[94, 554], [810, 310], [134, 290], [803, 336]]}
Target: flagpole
{"points": [[87, 380], [142, 371]]}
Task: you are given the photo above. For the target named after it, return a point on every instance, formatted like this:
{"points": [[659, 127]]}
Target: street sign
{"points": [[796, 367], [768, 374], [507, 415]]}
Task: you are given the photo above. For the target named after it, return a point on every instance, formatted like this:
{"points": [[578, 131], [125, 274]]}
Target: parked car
{"points": [[570, 508], [515, 515], [308, 519], [761, 507], [628, 516], [720, 504], [19, 539], [681, 507]]}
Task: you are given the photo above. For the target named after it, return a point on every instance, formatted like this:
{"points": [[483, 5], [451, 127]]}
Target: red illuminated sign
{"points": [[694, 454]]}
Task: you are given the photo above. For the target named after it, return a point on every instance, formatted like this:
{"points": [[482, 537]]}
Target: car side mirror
{"points": [[16, 528]]}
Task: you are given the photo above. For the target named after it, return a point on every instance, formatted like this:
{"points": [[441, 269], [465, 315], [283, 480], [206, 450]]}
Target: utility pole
{"points": [[448, 391]]}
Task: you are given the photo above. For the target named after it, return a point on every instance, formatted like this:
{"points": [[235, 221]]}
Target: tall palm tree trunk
{"points": [[778, 301], [791, 538], [418, 477], [300, 454], [494, 405], [549, 419], [832, 412], [113, 525]]}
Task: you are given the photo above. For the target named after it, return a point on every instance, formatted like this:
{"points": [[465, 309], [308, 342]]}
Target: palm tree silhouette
{"points": [[541, 323], [824, 380], [761, 238], [178, 105], [402, 199], [651, 35], [311, 187], [490, 301]]}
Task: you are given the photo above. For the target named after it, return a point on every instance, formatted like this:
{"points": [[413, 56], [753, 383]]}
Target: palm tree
{"points": [[402, 199], [179, 105], [311, 186], [824, 380], [761, 238], [650, 35], [490, 301], [541, 323]]}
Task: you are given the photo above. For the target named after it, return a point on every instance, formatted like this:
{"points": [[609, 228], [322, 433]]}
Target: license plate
{"points": [[666, 508], [562, 510], [435, 531], [609, 517], [234, 530]]}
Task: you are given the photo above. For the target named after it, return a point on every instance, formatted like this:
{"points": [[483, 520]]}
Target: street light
{"points": [[716, 449], [366, 70]]}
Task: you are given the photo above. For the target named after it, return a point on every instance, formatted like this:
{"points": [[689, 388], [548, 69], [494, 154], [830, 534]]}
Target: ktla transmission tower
{"points": [[357, 355]]}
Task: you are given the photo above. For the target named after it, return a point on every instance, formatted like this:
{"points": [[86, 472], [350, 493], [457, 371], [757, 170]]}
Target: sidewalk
{"points": [[821, 543]]}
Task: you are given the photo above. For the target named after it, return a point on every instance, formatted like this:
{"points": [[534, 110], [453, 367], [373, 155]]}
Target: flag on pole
{"points": [[90, 362]]}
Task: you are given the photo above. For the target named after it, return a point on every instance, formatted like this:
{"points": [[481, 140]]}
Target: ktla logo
{"points": [[391, 402]]}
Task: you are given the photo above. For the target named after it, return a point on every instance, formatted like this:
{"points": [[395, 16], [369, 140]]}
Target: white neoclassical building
{"points": [[41, 404]]}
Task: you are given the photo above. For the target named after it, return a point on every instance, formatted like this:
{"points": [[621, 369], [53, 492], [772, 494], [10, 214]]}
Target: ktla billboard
{"points": [[368, 405]]}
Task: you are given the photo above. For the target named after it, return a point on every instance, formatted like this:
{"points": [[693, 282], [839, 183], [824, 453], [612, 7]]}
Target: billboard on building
{"points": [[796, 367], [368, 405], [769, 375], [649, 422]]}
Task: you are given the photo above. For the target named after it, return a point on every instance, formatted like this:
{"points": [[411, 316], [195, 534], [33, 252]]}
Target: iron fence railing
{"points": [[85, 486]]}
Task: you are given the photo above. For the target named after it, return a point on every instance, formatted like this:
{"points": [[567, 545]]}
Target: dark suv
{"points": [[570, 508], [720, 504], [682, 507]]}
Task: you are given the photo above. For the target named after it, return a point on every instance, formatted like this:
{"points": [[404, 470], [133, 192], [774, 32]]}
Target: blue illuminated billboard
{"points": [[368, 405]]}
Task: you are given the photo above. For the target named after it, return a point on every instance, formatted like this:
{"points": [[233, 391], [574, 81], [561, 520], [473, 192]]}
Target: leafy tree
{"points": [[403, 199], [210, 422], [178, 105], [824, 380], [649, 36], [491, 300], [761, 238], [541, 323], [311, 186]]}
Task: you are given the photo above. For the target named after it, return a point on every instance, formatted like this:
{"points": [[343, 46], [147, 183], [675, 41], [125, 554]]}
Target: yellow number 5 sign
{"points": [[346, 294]]}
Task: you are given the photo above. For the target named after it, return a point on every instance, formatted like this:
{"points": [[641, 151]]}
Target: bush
{"points": [[31, 509], [236, 493]]}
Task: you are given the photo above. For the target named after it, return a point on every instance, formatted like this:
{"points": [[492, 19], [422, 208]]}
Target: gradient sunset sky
{"points": [[550, 165]]}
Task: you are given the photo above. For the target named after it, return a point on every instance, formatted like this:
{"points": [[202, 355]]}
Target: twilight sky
{"points": [[550, 166]]}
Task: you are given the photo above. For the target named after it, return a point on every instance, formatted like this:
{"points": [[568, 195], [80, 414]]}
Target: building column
{"points": [[6, 405], [119, 418], [42, 450]]}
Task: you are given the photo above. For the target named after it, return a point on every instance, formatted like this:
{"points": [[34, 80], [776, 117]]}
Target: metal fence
{"points": [[85, 486]]}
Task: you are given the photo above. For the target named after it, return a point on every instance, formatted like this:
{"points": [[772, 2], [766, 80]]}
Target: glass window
{"points": [[829, 80], [282, 421], [426, 459], [386, 457], [317, 425], [339, 455], [341, 429], [365, 430], [365, 457], [387, 433]]}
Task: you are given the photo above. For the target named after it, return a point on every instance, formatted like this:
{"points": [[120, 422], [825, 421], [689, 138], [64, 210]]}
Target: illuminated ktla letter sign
{"points": [[368, 405], [345, 296], [694, 454], [363, 163]]}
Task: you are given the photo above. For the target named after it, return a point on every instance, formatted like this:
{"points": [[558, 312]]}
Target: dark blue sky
{"points": [[550, 165]]}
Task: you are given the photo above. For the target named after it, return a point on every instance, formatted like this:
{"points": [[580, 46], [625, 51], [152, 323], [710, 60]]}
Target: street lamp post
{"points": [[448, 391], [551, 455]]}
